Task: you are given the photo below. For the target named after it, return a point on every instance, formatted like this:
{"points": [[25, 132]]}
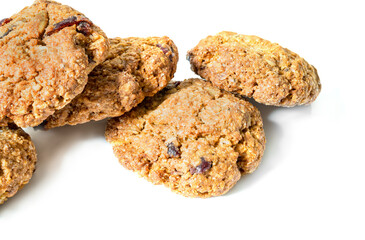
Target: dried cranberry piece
{"points": [[65, 23], [4, 21], [172, 150], [171, 57], [164, 50], [85, 27], [203, 167]]}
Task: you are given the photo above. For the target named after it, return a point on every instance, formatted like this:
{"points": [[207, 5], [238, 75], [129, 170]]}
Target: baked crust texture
{"points": [[254, 67], [47, 51], [134, 69], [17, 160], [192, 137]]}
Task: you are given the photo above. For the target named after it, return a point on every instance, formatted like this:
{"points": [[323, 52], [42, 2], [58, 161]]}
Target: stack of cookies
{"points": [[197, 137]]}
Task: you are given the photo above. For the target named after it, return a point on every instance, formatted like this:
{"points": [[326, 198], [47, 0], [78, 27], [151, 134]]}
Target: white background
{"points": [[310, 184]]}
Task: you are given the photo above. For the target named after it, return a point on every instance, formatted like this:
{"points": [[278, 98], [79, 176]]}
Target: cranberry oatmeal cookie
{"points": [[254, 67], [134, 69], [47, 51], [17, 160], [192, 137]]}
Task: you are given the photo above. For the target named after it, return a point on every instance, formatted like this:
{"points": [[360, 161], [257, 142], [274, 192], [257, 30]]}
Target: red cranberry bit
{"points": [[65, 23], [172, 150], [85, 27], [4, 21], [203, 167], [164, 50]]}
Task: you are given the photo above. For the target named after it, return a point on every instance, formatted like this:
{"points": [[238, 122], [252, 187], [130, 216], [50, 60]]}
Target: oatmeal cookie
{"points": [[192, 137], [47, 51], [254, 67], [17, 160], [134, 69]]}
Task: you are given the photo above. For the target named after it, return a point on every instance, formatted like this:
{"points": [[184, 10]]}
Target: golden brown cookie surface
{"points": [[17, 160], [192, 137], [254, 67], [47, 50], [134, 69]]}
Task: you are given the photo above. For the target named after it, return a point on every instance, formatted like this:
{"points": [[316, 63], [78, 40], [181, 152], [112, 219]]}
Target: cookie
{"points": [[5, 122], [134, 69], [47, 51], [254, 67], [192, 137], [17, 160]]}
